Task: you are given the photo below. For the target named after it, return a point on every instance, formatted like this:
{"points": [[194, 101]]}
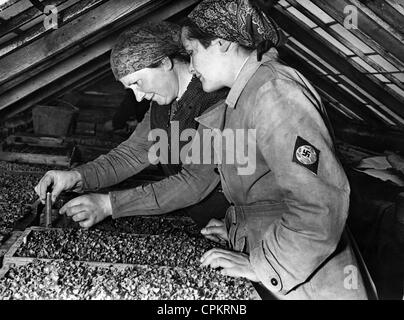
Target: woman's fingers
{"points": [[217, 229], [215, 253], [86, 224], [70, 209], [80, 216], [233, 264], [214, 223], [43, 185], [235, 272]]}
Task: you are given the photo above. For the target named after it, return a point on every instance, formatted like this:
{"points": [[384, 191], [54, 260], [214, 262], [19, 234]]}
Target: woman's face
{"points": [[156, 84], [206, 63]]}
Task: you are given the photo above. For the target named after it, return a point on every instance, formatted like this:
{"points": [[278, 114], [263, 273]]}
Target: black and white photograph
{"points": [[224, 152]]}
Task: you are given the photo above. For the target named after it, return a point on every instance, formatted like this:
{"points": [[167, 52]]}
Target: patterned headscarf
{"points": [[144, 45], [236, 21]]}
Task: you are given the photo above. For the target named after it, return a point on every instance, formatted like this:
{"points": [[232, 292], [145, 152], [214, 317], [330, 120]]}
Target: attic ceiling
{"points": [[358, 70]]}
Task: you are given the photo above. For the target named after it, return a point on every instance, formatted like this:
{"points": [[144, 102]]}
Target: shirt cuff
{"points": [[131, 202], [264, 270], [85, 172]]}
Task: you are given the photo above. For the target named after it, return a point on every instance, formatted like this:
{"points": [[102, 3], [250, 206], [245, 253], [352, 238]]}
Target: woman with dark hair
{"points": [[286, 225], [149, 60]]}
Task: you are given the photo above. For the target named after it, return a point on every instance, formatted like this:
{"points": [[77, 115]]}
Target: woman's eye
{"points": [[136, 84]]}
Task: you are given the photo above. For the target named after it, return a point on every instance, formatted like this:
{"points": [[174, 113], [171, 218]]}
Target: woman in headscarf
{"points": [[148, 59], [286, 223]]}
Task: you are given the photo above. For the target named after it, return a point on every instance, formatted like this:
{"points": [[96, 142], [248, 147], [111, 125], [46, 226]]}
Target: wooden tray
{"points": [[18, 238], [39, 158], [10, 259]]}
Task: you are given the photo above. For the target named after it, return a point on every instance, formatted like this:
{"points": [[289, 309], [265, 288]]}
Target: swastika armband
{"points": [[306, 155]]}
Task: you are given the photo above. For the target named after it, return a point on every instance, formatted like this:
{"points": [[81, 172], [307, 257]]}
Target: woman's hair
{"points": [[194, 32]]}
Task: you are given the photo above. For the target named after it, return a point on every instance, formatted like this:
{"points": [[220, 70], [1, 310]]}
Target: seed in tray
{"points": [[75, 244], [17, 188], [74, 280], [16, 192], [149, 225]]}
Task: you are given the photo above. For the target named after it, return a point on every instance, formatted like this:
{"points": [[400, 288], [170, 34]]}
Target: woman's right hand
{"points": [[60, 181], [216, 231]]}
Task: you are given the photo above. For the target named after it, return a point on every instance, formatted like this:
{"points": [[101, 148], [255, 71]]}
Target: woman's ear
{"points": [[167, 64]]}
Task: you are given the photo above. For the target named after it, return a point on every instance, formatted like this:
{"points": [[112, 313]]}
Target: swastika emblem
{"points": [[306, 155]]}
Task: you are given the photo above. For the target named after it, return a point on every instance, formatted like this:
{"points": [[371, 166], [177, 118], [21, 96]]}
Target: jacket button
{"points": [[216, 170], [274, 282]]}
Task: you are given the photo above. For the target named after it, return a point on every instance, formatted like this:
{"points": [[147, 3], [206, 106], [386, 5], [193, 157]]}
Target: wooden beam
{"points": [[57, 87], [34, 140], [392, 29], [296, 57], [329, 87], [7, 4], [35, 158], [312, 41], [368, 31], [26, 16], [38, 30], [387, 13], [13, 7], [150, 13], [67, 35], [45, 78], [348, 44]]}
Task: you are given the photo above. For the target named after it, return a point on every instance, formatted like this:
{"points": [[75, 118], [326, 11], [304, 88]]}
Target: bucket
{"points": [[54, 120]]}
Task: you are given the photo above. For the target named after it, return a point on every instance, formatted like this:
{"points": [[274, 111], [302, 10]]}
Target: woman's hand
{"points": [[60, 181], [233, 264], [89, 209], [216, 231]]}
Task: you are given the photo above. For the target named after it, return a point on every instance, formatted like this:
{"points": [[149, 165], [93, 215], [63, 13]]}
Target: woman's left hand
{"points": [[233, 264]]}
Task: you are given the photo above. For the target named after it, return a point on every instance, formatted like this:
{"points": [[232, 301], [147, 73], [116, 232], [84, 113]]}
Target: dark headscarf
{"points": [[236, 21], [144, 45]]}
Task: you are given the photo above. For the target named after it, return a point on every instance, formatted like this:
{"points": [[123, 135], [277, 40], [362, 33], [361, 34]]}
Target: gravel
{"points": [[16, 193], [172, 250], [17, 188], [149, 225], [64, 280], [9, 215]]}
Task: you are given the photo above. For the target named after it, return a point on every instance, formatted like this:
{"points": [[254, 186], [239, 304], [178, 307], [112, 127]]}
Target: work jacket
{"points": [[290, 198]]}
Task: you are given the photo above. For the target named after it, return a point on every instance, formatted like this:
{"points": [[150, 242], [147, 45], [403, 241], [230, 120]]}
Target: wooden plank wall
{"points": [[77, 51]]}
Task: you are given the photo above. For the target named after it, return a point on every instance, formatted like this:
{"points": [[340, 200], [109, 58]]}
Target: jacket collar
{"points": [[214, 117], [248, 70]]}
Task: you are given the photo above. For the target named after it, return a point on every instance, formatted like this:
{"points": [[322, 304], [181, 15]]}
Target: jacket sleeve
{"points": [[129, 158], [297, 147], [190, 186]]}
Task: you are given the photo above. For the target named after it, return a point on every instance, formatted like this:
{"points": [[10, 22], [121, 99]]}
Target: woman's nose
{"points": [[191, 67]]}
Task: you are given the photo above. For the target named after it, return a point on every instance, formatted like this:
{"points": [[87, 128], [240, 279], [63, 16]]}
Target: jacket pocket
{"points": [[235, 229], [246, 225]]}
